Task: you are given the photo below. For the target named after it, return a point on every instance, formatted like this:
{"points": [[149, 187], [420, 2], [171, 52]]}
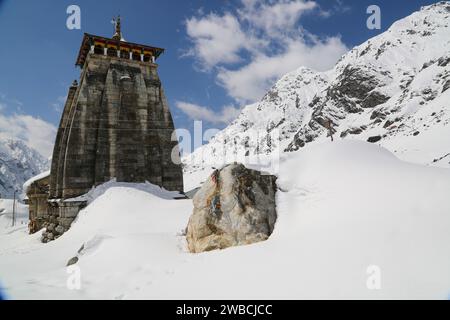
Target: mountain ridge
{"points": [[392, 89], [18, 163]]}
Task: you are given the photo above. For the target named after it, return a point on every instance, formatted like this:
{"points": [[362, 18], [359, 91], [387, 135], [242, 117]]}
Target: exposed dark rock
{"points": [[383, 48], [388, 123], [444, 61], [366, 50], [374, 99], [271, 96], [357, 130], [296, 144], [72, 261], [59, 229], [405, 83], [374, 139], [377, 114], [427, 64], [441, 158], [356, 83], [353, 91], [446, 86]]}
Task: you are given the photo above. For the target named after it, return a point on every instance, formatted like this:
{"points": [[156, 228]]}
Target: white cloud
{"points": [[5, 100], [196, 112], [36, 133], [250, 48], [217, 39], [275, 17]]}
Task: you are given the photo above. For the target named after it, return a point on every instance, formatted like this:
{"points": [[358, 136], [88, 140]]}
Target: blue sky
{"points": [[220, 55]]}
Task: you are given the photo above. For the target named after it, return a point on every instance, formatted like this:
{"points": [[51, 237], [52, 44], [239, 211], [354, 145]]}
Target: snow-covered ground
{"points": [[343, 207]]}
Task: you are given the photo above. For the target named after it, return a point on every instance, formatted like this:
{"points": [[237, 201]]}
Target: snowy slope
{"points": [[18, 163], [395, 86], [342, 207]]}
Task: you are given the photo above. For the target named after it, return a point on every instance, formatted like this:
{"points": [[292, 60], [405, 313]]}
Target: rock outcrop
{"points": [[235, 206]]}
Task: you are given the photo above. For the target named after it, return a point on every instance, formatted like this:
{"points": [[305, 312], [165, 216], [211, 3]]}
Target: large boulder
{"points": [[235, 206]]}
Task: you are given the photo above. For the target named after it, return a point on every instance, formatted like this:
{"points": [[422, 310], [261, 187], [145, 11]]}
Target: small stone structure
{"points": [[37, 197], [116, 124], [235, 206]]}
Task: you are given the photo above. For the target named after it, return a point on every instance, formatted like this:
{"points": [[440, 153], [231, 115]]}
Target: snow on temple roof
{"points": [[34, 179]]}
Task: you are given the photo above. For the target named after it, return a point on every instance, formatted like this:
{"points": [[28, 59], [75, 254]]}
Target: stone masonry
{"points": [[116, 124]]}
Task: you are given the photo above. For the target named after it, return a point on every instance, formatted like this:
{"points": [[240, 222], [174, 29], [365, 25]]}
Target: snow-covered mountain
{"points": [[394, 90], [18, 163]]}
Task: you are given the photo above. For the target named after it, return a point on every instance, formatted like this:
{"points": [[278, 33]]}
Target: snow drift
{"points": [[342, 207]]}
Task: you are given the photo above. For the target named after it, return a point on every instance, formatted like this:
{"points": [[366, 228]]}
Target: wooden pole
{"points": [[14, 210]]}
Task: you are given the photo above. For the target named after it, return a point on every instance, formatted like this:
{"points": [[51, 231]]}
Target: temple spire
{"points": [[118, 33]]}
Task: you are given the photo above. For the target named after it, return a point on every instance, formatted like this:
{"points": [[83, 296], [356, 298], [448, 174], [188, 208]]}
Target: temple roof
{"points": [[89, 39]]}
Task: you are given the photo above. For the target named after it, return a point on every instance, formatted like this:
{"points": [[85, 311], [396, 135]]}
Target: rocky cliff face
{"points": [[235, 206], [392, 90], [18, 163]]}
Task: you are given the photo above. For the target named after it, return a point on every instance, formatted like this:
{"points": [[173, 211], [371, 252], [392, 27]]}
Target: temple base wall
{"points": [[60, 216]]}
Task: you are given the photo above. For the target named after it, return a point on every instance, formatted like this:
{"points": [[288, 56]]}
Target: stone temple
{"points": [[116, 124]]}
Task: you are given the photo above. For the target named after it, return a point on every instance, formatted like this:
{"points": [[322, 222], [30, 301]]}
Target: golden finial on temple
{"points": [[118, 33]]}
